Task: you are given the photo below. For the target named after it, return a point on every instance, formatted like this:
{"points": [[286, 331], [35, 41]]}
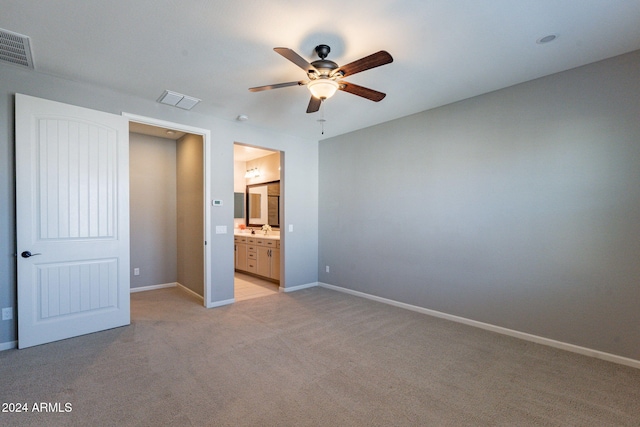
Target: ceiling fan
{"points": [[325, 76]]}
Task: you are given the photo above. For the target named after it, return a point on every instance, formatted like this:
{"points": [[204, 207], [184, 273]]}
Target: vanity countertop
{"points": [[258, 235]]}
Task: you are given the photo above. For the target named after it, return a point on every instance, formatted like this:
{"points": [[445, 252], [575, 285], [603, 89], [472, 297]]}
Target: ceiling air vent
{"points": [[15, 49], [179, 100]]}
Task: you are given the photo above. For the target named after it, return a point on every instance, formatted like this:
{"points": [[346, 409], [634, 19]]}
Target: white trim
{"points": [[153, 287], [208, 196], [195, 294], [493, 328], [164, 123], [9, 345], [299, 287], [206, 138], [221, 303]]}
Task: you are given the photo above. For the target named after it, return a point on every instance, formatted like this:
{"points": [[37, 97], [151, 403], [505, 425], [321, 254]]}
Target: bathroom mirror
{"points": [[263, 204]]}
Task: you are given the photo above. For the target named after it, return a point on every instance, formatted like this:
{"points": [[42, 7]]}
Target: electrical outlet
{"points": [[7, 313], [136, 271], [327, 269]]}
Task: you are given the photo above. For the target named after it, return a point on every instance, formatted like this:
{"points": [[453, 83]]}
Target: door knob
{"points": [[27, 254]]}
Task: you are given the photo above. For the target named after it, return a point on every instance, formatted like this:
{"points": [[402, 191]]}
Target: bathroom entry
{"points": [[258, 203], [166, 209]]}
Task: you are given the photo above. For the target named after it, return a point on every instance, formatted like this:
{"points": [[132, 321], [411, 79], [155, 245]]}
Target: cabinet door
{"points": [[241, 256], [264, 261], [275, 263]]}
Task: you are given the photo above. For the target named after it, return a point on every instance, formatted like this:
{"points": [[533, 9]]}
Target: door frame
{"points": [[206, 138], [283, 231]]}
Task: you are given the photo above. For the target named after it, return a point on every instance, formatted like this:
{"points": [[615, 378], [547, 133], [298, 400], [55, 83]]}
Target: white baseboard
{"points": [[153, 287], [297, 288], [10, 345], [220, 303], [184, 288], [189, 291], [499, 329]]}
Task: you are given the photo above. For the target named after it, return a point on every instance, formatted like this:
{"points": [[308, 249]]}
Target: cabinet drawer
{"points": [[252, 255], [251, 240], [252, 265], [239, 239], [271, 243], [251, 248]]}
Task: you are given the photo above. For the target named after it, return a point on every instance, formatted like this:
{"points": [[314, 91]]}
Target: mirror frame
{"points": [[247, 205]]}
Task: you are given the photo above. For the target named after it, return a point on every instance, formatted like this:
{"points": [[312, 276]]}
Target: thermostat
{"points": [[216, 203]]}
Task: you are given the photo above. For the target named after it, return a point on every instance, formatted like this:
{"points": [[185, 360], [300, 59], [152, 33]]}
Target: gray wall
{"points": [[300, 248], [152, 207], [190, 176], [519, 208]]}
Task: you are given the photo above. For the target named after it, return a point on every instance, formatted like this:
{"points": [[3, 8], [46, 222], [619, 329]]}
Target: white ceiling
{"points": [[443, 50]]}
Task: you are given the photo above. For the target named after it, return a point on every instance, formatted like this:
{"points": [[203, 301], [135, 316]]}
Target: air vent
{"points": [[15, 49], [179, 100]]}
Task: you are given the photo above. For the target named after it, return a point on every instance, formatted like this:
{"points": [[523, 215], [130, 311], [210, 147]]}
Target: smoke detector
{"points": [[15, 49]]}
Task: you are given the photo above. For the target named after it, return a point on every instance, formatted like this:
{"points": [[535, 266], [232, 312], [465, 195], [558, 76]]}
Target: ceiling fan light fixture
{"points": [[323, 88], [325, 76]]}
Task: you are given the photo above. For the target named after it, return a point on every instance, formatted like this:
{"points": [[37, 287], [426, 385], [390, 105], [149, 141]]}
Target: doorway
{"points": [[258, 205], [169, 221]]}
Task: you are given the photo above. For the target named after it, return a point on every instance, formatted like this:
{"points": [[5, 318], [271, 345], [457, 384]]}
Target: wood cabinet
{"points": [[258, 256], [275, 263], [240, 256], [252, 256]]}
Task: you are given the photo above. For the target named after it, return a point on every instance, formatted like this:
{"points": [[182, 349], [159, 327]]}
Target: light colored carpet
{"points": [[309, 358]]}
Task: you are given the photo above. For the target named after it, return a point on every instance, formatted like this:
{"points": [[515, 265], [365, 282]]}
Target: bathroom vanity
{"points": [[258, 255]]}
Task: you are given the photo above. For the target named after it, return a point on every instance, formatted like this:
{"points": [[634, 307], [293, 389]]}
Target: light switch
{"points": [[290, 228], [221, 229]]}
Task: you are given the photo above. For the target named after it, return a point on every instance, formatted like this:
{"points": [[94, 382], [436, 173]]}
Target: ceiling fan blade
{"points": [[276, 86], [314, 105], [296, 59], [364, 92], [374, 60]]}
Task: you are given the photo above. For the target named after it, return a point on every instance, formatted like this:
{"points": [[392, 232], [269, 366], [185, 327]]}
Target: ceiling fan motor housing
{"points": [[324, 66]]}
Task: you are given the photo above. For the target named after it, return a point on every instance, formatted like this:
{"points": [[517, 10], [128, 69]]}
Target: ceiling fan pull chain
{"points": [[322, 119]]}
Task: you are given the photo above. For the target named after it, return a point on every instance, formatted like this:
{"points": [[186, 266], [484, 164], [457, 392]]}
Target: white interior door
{"points": [[72, 217]]}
